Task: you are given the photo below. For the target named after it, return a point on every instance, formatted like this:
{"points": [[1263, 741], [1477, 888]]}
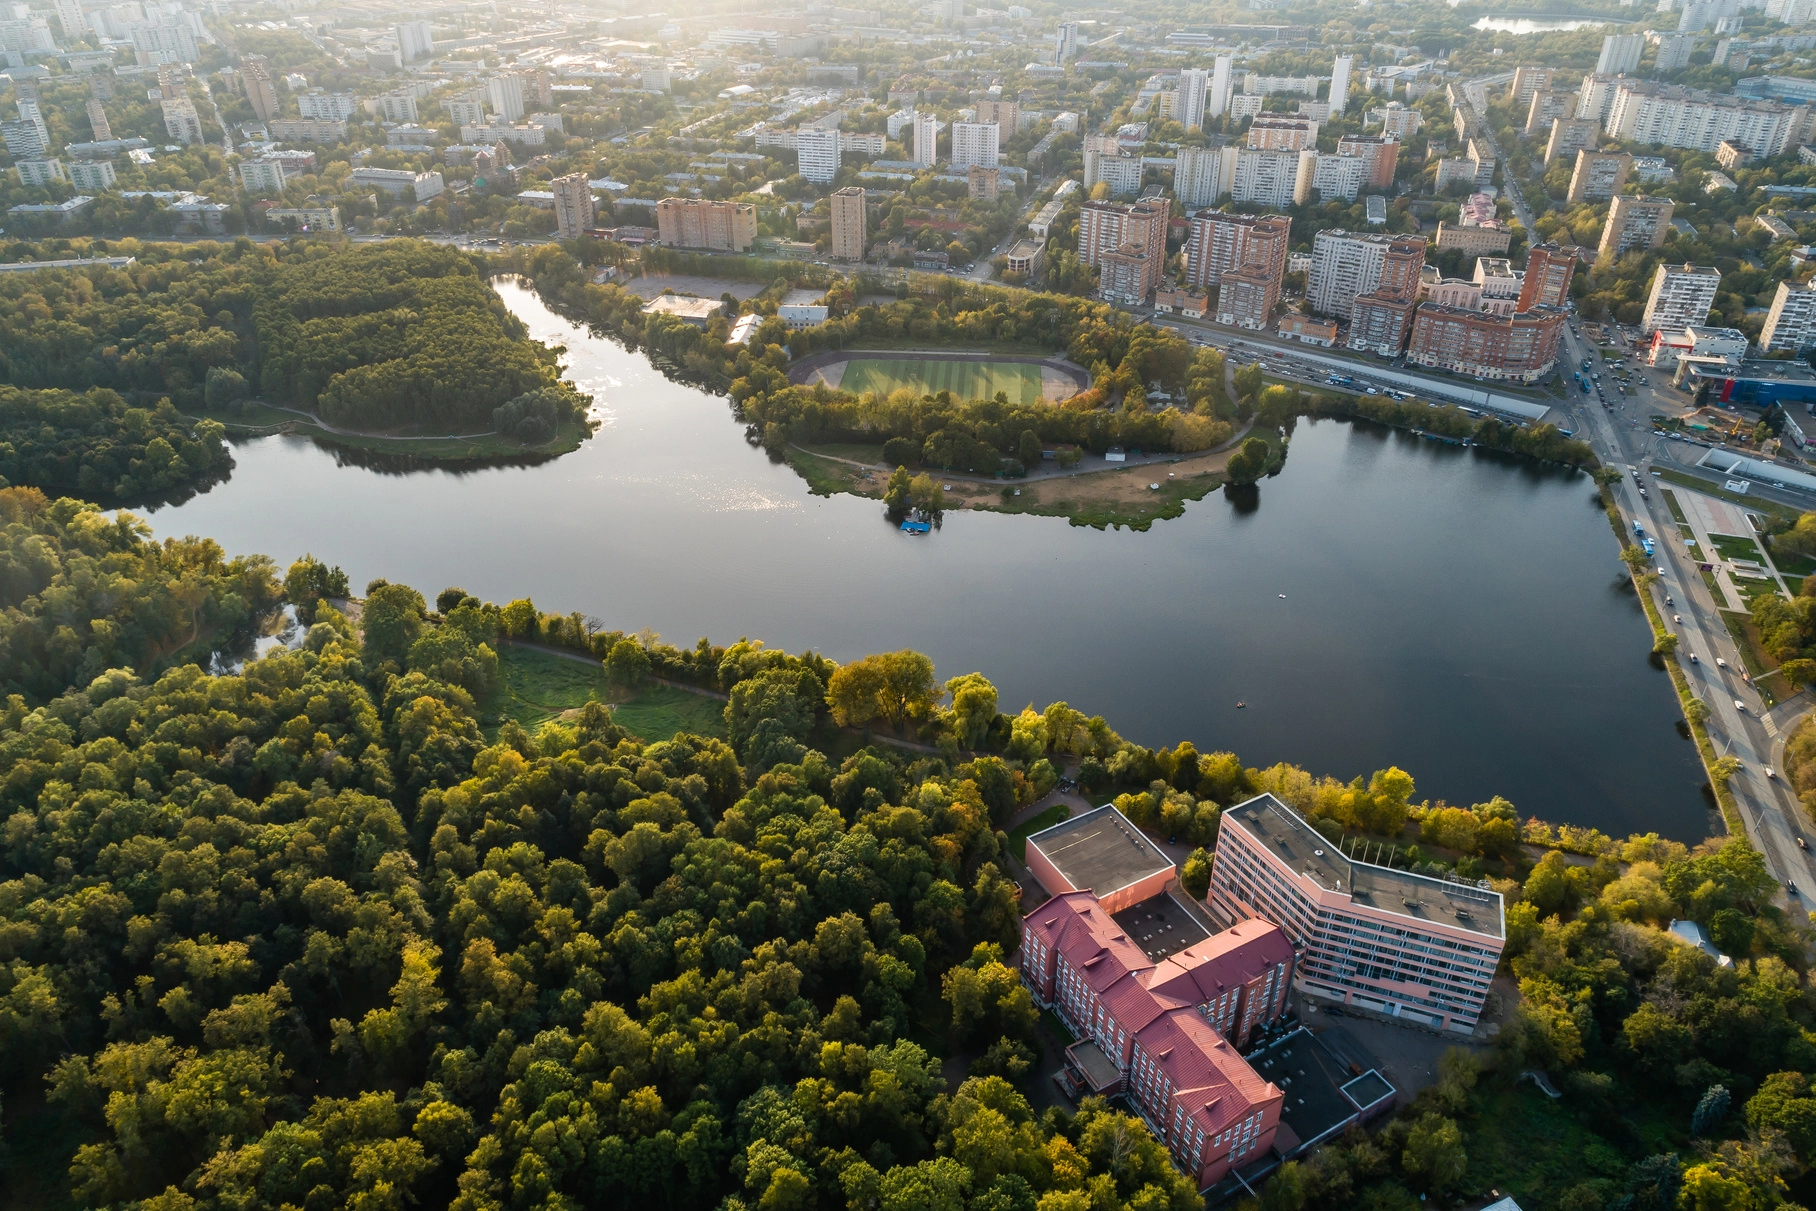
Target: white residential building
{"points": [[332, 107], [263, 176], [1331, 177], [26, 35], [1267, 178], [465, 111], [1194, 83], [169, 39], [181, 121], [69, 16], [506, 96], [975, 144], [394, 107], [1666, 114], [1200, 174], [1674, 51], [418, 185], [40, 172], [1218, 103], [817, 155], [927, 137], [1339, 83], [1344, 264], [1681, 297], [1620, 54], [415, 40], [1791, 324], [92, 176]]}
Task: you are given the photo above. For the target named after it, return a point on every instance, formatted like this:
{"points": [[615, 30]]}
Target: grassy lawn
{"points": [[1020, 381], [1677, 510], [408, 441], [1018, 840], [538, 686], [1792, 564], [1733, 547], [1015, 348], [1746, 638]]}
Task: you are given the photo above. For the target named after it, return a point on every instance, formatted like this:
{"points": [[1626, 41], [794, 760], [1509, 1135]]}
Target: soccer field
{"points": [[1020, 381]]}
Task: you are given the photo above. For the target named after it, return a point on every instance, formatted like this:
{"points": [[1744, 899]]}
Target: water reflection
{"points": [[1445, 610]]}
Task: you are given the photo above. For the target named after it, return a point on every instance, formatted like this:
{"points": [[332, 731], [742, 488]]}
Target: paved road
{"points": [[1737, 723]]}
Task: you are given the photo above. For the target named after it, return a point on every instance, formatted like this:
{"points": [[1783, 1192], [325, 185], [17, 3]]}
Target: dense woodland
{"points": [[98, 446], [373, 337], [325, 932]]}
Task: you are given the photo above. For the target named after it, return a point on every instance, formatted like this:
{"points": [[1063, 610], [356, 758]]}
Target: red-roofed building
{"points": [[1209, 1107], [1161, 1031]]}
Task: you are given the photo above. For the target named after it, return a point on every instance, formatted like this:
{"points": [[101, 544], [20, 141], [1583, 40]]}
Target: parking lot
{"points": [[651, 285]]}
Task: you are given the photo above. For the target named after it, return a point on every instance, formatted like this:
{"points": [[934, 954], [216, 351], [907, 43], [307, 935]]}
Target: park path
{"points": [[323, 425]]}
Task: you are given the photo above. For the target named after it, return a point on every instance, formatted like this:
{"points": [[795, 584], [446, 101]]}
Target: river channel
{"points": [[1386, 601]]}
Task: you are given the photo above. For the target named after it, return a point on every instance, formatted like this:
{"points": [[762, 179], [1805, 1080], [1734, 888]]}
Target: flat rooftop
{"points": [[1421, 897], [1098, 1067], [1312, 1080], [1100, 851], [1161, 926]]}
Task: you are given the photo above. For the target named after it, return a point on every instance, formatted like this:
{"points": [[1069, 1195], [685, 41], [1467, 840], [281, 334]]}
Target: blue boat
{"points": [[916, 527]]}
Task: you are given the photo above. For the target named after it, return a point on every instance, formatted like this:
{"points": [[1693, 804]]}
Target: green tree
{"points": [[1249, 463], [1195, 875], [627, 665], [390, 621], [1434, 1154]]}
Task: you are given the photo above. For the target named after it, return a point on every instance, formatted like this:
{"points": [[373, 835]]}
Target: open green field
{"points": [[539, 685], [1020, 381]]}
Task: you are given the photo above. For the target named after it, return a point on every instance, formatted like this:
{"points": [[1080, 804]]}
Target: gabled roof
{"points": [[1215, 1084], [1205, 970]]}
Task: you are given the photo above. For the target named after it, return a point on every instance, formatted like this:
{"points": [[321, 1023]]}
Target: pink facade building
{"points": [[1102, 853], [1166, 1033], [1391, 941]]}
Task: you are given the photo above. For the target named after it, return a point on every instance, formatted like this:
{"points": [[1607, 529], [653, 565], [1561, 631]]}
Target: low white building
{"points": [[802, 315]]}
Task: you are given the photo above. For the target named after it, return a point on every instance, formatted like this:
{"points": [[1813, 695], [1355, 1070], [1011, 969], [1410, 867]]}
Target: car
{"points": [[1693, 659], [1769, 772], [1336, 1012], [1740, 706], [1720, 663], [1802, 844], [1677, 618]]}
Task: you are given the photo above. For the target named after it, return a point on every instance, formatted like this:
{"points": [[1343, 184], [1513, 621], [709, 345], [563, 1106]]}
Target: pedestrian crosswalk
{"points": [[1771, 726]]}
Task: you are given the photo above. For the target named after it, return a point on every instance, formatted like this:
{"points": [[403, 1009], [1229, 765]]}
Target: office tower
{"points": [[1620, 54], [573, 205], [1634, 222], [850, 224], [975, 143], [1189, 108], [817, 153], [415, 40], [1339, 84], [506, 95], [1218, 102], [926, 138], [1681, 297]]}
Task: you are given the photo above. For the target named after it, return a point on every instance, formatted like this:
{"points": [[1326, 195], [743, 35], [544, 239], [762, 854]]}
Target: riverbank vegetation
{"points": [[306, 935], [401, 337]]}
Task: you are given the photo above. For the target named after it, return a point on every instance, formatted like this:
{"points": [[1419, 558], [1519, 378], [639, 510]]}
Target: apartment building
{"points": [[1483, 240], [306, 130], [1339, 83], [1674, 51], [1382, 152], [261, 92], [1188, 107], [1266, 178], [1108, 163], [1598, 176], [1791, 323], [1571, 135], [1127, 245], [850, 224], [97, 120], [1644, 111], [393, 107], [1398, 943], [168, 39], [1279, 133], [698, 223], [263, 176], [420, 186], [1381, 319], [92, 176], [1620, 54], [1397, 120], [181, 121], [1492, 344], [1547, 107], [926, 139], [325, 106], [506, 96], [573, 205], [817, 155], [1344, 264], [1222, 243], [1499, 285], [1549, 270], [975, 144], [41, 172], [1680, 298], [1330, 177], [1006, 114], [1634, 222], [1528, 81], [1199, 178], [415, 40], [1595, 97]]}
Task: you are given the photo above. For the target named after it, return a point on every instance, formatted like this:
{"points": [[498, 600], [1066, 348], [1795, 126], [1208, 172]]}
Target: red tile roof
{"points": [[1204, 971], [1216, 1085]]}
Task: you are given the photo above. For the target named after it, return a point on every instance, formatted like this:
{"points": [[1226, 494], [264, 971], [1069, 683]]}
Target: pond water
{"points": [[1384, 600]]}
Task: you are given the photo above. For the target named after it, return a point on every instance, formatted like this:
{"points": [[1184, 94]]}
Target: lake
{"points": [[1384, 600]]}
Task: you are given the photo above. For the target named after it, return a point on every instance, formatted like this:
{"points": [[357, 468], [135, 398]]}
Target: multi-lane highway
{"points": [[1737, 723]]}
